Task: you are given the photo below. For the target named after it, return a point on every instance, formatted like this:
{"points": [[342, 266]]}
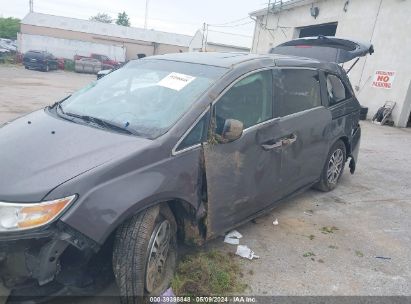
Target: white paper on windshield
{"points": [[175, 81]]}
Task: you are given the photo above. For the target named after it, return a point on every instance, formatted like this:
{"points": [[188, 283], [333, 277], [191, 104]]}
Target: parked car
{"points": [[103, 73], [8, 44], [106, 62], [40, 60], [87, 65], [174, 147]]}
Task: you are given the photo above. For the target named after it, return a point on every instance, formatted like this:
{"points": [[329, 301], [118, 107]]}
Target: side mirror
{"points": [[233, 129]]}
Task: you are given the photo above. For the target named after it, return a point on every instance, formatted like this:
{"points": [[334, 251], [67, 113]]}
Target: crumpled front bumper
{"points": [[34, 257]]}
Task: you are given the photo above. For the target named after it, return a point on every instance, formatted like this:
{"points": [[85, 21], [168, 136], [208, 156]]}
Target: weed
{"points": [[207, 273], [327, 229], [308, 254], [359, 253]]}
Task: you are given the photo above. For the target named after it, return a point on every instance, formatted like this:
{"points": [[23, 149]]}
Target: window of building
{"points": [[325, 29], [249, 101], [295, 90]]}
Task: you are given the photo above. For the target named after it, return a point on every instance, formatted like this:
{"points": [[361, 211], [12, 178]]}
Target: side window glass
{"points": [[249, 101], [196, 136], [336, 90], [296, 90]]}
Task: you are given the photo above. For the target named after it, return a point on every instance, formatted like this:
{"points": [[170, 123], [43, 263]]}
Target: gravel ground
{"points": [[23, 91], [370, 211]]}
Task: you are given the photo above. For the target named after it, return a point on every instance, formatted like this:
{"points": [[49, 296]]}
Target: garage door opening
{"points": [[325, 29]]}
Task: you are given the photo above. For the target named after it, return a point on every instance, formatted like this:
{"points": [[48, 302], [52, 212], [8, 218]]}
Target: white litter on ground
{"points": [[275, 223], [233, 237], [245, 252]]}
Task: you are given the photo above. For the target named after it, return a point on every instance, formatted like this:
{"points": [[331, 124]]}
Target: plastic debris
{"points": [[234, 234], [275, 223], [308, 212], [382, 258], [245, 252], [233, 237], [169, 293]]}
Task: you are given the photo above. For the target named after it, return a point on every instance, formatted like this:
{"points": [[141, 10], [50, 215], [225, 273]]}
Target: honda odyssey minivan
{"points": [[172, 148]]}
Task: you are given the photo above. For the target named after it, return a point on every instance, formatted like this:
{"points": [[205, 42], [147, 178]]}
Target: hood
{"points": [[330, 49], [38, 152]]}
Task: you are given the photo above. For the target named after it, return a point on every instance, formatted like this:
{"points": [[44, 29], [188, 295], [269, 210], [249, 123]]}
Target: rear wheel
{"points": [[145, 253], [333, 168]]}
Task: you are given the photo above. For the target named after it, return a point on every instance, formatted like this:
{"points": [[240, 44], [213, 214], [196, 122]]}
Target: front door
{"points": [[242, 175]]}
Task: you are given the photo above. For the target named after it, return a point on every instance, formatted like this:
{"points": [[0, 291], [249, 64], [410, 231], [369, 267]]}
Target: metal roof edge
{"points": [[281, 6], [112, 26]]}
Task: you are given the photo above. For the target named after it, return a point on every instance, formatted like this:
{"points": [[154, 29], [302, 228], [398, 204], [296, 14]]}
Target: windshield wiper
{"points": [[58, 103], [98, 121]]}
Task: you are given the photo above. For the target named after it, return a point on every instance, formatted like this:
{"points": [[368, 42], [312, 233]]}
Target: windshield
{"points": [[146, 96]]}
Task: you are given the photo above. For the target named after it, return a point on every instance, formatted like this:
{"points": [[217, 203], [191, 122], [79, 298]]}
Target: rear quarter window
{"points": [[336, 90]]}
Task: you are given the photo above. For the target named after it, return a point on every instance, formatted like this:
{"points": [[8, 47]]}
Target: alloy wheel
{"points": [[160, 243], [335, 166]]}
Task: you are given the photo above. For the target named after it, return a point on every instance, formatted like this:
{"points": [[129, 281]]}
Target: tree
{"points": [[123, 19], [9, 27], [102, 17]]}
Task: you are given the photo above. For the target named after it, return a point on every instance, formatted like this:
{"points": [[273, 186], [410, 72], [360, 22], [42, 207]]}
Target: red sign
{"points": [[383, 79]]}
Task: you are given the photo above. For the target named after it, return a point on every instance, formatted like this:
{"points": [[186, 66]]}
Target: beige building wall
{"points": [[167, 48], [213, 47]]}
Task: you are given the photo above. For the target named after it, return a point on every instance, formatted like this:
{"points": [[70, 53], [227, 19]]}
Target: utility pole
{"points": [[206, 39], [203, 39], [31, 6], [146, 15]]}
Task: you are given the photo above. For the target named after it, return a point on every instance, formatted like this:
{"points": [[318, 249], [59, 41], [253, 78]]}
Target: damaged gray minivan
{"points": [[179, 147]]}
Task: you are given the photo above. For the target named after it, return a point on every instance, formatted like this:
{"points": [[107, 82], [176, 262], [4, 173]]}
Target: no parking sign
{"points": [[383, 79]]}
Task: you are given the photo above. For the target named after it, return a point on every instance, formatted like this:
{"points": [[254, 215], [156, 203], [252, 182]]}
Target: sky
{"points": [[177, 16]]}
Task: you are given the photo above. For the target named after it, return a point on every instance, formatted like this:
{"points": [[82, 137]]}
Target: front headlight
{"points": [[14, 217]]}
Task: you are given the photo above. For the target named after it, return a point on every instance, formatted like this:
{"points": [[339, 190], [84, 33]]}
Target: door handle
{"points": [[275, 145], [286, 141]]}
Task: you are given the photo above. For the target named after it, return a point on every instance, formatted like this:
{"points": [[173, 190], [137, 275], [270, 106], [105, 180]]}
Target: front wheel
{"points": [[333, 168], [145, 253]]}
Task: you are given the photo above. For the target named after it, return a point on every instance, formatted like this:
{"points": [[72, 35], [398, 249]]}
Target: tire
{"points": [[325, 183], [133, 246]]}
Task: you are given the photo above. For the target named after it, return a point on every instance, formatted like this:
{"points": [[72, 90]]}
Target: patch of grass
{"points": [[308, 254], [207, 273], [328, 230], [311, 236], [359, 254]]}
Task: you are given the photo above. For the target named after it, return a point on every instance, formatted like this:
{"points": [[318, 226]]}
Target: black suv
{"points": [[174, 147], [40, 60]]}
